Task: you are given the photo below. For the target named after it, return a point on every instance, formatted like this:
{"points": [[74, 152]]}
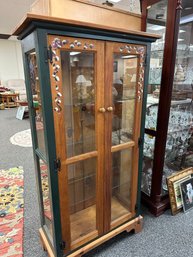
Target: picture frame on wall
{"points": [[186, 188], [174, 181]]}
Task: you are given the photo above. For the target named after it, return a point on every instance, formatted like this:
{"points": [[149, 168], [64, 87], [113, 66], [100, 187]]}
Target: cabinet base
{"points": [[158, 208], [135, 224]]}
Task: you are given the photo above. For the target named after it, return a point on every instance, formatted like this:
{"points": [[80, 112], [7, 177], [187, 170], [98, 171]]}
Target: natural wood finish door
{"points": [[77, 84], [124, 81]]}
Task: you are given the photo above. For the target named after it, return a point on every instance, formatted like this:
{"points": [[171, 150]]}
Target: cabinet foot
{"points": [[139, 225], [134, 224]]}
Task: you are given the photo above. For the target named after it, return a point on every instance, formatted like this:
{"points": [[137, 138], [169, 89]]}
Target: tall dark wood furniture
{"points": [[86, 91], [169, 97]]}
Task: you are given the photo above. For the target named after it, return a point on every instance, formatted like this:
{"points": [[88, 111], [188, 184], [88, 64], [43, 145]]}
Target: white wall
{"points": [[11, 64]]}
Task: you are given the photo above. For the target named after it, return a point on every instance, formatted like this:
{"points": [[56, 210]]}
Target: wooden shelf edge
{"points": [[134, 224]]}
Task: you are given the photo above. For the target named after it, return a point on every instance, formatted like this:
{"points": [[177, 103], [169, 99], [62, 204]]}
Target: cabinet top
{"points": [[30, 18]]}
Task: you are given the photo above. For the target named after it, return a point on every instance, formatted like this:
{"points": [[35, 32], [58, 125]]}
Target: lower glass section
{"points": [[48, 217], [82, 198], [121, 183]]}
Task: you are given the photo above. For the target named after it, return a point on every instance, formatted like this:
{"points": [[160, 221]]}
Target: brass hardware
{"points": [[110, 109], [102, 109]]}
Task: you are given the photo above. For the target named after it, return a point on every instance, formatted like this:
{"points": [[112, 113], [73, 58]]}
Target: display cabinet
{"points": [[86, 90], [168, 139]]}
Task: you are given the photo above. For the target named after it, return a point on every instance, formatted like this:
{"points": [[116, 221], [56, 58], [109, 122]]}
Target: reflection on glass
{"points": [[124, 95], [82, 197], [179, 145], [46, 196], [35, 88], [79, 101], [121, 183], [156, 23]]}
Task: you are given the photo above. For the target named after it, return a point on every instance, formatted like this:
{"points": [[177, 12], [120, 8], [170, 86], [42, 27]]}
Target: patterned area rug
{"points": [[22, 138], [11, 212]]}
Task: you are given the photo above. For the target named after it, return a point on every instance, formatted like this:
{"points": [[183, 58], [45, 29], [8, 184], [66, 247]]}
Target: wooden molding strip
{"points": [[116, 148], [81, 157], [36, 17]]}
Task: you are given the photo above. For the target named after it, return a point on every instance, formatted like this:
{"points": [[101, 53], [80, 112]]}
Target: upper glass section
{"points": [[156, 23], [36, 97], [79, 103], [124, 97]]}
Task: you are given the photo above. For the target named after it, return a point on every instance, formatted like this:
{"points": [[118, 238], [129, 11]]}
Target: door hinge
{"points": [[140, 141], [145, 60], [57, 164], [49, 54], [62, 245]]}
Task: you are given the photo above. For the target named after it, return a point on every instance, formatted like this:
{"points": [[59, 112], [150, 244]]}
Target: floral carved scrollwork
{"points": [[139, 51], [56, 45]]}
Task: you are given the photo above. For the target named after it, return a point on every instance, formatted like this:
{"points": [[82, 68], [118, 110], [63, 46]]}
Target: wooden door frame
{"points": [[110, 49], [97, 47]]}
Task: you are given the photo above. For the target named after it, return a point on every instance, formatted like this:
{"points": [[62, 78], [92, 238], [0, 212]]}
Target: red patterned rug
{"points": [[11, 212]]}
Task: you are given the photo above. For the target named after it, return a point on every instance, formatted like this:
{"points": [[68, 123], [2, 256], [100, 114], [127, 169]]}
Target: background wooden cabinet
{"points": [[168, 141]]}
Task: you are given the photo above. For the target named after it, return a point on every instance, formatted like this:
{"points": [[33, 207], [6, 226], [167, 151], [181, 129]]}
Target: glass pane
{"points": [[121, 183], [179, 145], [148, 151], [82, 197], [35, 88], [79, 90], [46, 196], [156, 23], [124, 95]]}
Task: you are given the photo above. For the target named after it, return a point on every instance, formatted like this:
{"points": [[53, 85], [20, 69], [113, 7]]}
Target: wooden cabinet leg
{"points": [[138, 225]]}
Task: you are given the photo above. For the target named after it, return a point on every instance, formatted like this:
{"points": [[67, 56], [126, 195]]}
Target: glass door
{"points": [[97, 98], [123, 101], [77, 83]]}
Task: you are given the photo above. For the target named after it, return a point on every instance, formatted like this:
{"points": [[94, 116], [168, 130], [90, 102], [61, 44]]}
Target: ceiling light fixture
{"points": [[128, 56], [186, 19], [74, 53], [114, 1]]}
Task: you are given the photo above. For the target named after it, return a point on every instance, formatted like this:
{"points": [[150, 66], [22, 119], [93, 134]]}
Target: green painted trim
{"points": [[95, 33], [46, 97], [26, 51], [142, 131]]}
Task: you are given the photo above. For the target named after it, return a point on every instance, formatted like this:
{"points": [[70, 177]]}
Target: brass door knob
{"points": [[110, 109], [102, 109]]}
